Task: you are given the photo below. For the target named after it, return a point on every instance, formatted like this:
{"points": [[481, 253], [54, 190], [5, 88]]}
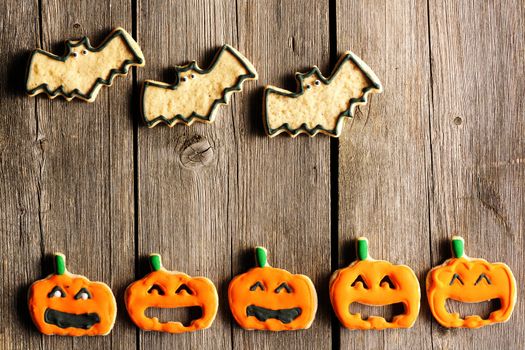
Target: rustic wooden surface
{"points": [[441, 151], [383, 155], [477, 128]]}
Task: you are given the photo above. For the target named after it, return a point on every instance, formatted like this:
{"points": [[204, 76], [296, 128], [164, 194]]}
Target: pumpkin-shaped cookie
{"points": [[67, 304], [470, 280], [170, 289], [268, 298], [374, 282]]}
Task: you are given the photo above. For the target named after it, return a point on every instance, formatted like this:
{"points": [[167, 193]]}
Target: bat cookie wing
{"points": [[197, 92], [320, 104], [83, 69]]}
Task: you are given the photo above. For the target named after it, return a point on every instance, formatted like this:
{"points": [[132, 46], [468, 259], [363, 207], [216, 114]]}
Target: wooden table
{"points": [[441, 151]]}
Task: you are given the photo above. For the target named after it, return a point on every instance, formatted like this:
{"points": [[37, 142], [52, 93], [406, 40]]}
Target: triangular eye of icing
{"points": [[387, 280], [256, 285], [83, 294], [454, 278], [56, 292], [156, 287], [482, 276], [360, 279], [184, 287], [282, 286]]}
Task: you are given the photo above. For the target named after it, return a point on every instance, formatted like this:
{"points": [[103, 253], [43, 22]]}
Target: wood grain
{"points": [[441, 151], [384, 153], [478, 147], [283, 183], [86, 176], [187, 209], [20, 178]]}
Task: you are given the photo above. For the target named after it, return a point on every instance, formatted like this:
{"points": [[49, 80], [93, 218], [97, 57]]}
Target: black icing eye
{"points": [[284, 286], [184, 287], [317, 83], [74, 54], [83, 294], [361, 280], [157, 288], [454, 278], [56, 292], [388, 282], [481, 277], [308, 86], [84, 52], [183, 79], [257, 285], [192, 76]]}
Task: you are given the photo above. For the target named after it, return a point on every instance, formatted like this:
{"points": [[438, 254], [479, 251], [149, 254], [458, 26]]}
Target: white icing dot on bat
{"points": [[57, 294], [84, 296]]}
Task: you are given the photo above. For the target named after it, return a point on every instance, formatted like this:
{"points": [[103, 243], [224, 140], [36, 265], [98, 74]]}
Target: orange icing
{"points": [[204, 295], [302, 295], [102, 302], [405, 291], [442, 285]]}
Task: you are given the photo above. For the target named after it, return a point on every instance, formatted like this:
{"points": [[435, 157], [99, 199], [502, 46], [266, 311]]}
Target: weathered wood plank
{"points": [[187, 209], [20, 177], [478, 147], [283, 183], [86, 179], [384, 153], [67, 168]]}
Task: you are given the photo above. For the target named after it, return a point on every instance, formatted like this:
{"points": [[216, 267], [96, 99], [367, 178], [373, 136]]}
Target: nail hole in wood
{"points": [[458, 120]]}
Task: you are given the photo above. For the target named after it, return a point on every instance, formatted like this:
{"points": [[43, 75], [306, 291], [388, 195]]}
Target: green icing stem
{"points": [[458, 246], [60, 264], [155, 261], [261, 257], [362, 248]]}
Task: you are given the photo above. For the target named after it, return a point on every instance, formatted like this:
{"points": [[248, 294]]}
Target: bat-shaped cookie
{"points": [[197, 92], [321, 104], [83, 69]]}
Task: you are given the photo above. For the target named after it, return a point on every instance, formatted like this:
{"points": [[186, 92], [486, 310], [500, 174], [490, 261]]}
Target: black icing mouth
{"points": [[263, 314], [66, 320]]}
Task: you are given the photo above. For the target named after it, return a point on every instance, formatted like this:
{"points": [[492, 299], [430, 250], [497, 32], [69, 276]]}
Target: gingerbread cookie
{"points": [[170, 289], [470, 280], [67, 304], [197, 92], [268, 298], [83, 69], [321, 104], [374, 282]]}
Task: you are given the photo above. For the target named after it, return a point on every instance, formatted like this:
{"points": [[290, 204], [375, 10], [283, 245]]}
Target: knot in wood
{"points": [[196, 152]]}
